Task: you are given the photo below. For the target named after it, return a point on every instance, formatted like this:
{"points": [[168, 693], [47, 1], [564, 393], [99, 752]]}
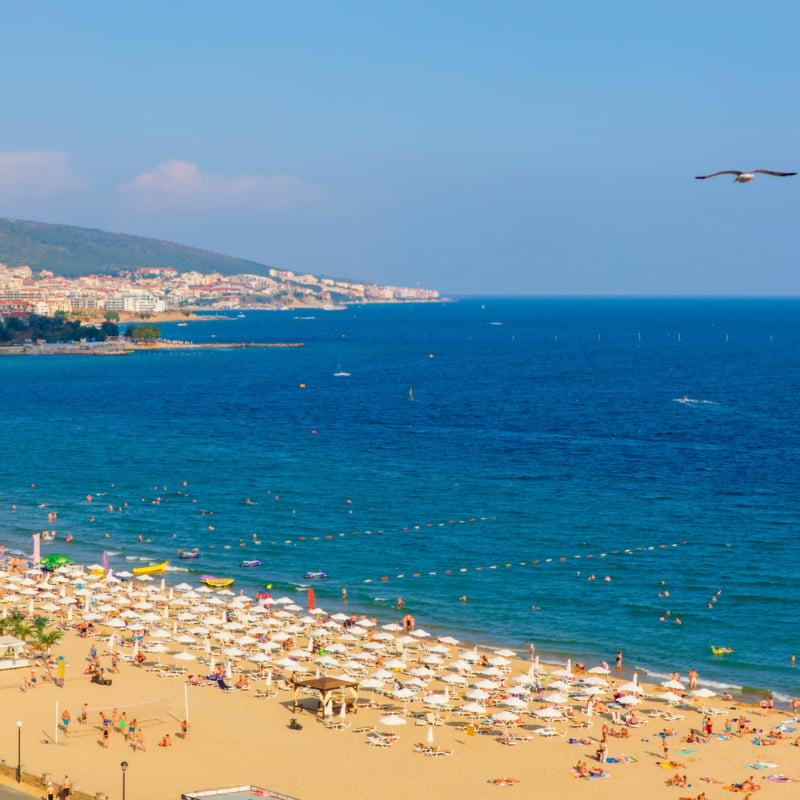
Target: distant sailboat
{"points": [[410, 392]]}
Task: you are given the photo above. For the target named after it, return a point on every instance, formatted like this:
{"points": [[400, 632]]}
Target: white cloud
{"points": [[181, 185], [36, 175]]}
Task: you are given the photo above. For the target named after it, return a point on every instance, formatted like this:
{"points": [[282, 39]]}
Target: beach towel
{"points": [[623, 760], [761, 765], [779, 778], [687, 750], [579, 741], [737, 787], [671, 765], [603, 774], [503, 781], [710, 780]]}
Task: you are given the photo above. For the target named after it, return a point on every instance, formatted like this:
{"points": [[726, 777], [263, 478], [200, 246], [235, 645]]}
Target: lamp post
{"points": [[19, 752], [123, 766]]}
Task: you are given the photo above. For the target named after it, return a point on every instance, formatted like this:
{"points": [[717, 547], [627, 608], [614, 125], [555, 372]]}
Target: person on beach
{"points": [[50, 791], [138, 743], [66, 787], [602, 752], [693, 676], [166, 741], [132, 728], [104, 739], [185, 731], [84, 714], [619, 659], [66, 718]]}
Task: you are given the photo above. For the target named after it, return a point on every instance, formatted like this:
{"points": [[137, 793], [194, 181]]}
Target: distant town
{"points": [[162, 290]]}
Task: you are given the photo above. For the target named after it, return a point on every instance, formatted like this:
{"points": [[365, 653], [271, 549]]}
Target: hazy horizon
{"points": [[533, 149]]}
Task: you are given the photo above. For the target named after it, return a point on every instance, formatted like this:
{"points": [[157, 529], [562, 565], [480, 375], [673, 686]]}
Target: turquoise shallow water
{"points": [[540, 430]]}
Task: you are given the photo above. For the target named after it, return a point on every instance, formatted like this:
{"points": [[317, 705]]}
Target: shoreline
{"points": [[268, 753]]}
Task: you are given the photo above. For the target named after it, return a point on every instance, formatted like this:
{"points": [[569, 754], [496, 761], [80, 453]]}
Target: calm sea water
{"points": [[540, 430]]}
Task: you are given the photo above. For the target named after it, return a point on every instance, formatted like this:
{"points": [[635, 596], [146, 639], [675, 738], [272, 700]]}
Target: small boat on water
{"points": [[189, 554], [216, 583], [48, 536], [252, 562], [150, 568], [318, 575], [720, 651]]}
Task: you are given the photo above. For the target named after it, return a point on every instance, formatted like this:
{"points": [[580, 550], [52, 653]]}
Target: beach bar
{"points": [[11, 650]]}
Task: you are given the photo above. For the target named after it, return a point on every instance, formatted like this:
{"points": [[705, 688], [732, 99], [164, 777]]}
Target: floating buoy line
{"points": [[406, 529], [510, 564]]}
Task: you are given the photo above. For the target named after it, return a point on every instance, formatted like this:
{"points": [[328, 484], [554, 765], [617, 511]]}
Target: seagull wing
{"points": [[779, 174], [724, 172]]}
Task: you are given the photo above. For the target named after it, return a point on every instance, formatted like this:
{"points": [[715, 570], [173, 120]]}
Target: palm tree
{"points": [[47, 639]]}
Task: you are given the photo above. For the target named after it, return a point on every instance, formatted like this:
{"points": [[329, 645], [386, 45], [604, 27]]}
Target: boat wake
{"points": [[693, 401]]}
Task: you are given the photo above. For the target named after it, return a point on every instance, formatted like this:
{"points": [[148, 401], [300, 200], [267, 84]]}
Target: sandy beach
{"points": [[237, 737]]}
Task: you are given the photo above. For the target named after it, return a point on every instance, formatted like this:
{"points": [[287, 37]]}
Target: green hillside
{"points": [[70, 251]]}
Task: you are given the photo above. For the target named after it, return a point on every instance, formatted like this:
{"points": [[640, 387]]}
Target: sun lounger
{"points": [[380, 741], [439, 751]]}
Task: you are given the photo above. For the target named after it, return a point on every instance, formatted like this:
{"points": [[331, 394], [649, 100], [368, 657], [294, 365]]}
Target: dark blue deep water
{"points": [[541, 430]]}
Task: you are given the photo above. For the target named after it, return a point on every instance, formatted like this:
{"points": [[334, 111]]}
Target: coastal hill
{"points": [[73, 252]]}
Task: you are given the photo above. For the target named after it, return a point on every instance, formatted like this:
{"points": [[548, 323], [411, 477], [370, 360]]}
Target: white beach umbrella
{"points": [[631, 687], [454, 680], [672, 684], [704, 693], [547, 713], [473, 708], [477, 694], [393, 720], [556, 698], [421, 672], [404, 695], [629, 700], [599, 671], [436, 700], [258, 658], [505, 717], [487, 685], [515, 702], [562, 673], [670, 697], [592, 691], [506, 653]]}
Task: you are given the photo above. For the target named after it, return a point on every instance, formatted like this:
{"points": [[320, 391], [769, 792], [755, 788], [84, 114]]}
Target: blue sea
{"points": [[652, 444]]}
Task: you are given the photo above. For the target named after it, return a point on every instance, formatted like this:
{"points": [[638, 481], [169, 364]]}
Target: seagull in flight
{"points": [[745, 177]]}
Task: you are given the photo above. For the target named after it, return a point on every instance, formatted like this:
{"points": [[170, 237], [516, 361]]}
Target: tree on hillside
{"points": [[111, 316]]}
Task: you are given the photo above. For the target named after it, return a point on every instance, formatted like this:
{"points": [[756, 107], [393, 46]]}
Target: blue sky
{"points": [[474, 147]]}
